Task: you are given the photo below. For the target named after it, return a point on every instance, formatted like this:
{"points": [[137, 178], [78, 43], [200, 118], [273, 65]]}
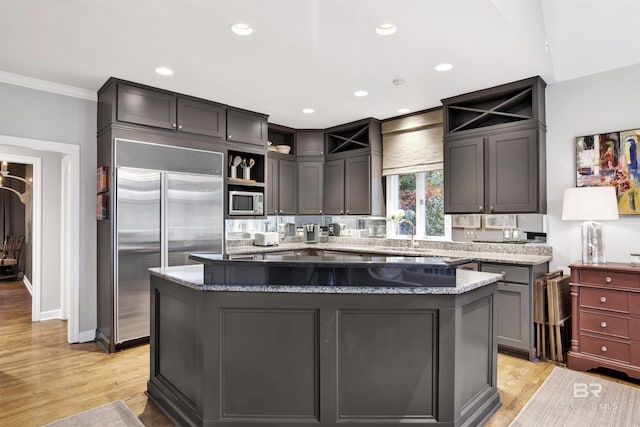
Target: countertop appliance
{"points": [[168, 205], [311, 233], [335, 228], [246, 202], [266, 239], [289, 229]]}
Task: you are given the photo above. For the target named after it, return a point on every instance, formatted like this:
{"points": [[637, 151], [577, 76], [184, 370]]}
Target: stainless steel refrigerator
{"points": [[169, 204]]}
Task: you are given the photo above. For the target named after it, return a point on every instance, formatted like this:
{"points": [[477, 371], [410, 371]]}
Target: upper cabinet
{"points": [[355, 137], [310, 143], [247, 127], [494, 150], [149, 107], [517, 103]]}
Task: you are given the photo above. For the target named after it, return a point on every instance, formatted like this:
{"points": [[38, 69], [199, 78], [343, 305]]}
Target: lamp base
{"points": [[593, 243]]}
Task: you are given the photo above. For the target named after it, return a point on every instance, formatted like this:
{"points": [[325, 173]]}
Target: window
{"points": [[421, 197]]}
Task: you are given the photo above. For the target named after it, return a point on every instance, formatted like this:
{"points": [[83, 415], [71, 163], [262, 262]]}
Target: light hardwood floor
{"points": [[43, 378]]}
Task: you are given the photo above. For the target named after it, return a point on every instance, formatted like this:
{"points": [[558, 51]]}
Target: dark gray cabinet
{"points": [[349, 187], [495, 150], [515, 306], [310, 142], [282, 189], [464, 175], [142, 106], [310, 187], [247, 127]]}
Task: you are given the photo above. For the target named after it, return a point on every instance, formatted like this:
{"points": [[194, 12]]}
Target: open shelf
{"points": [[349, 137]]}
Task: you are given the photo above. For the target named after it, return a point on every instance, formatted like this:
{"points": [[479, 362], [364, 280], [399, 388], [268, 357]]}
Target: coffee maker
{"points": [[311, 233]]}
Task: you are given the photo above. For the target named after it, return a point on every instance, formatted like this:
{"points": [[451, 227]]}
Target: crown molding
{"points": [[47, 86]]}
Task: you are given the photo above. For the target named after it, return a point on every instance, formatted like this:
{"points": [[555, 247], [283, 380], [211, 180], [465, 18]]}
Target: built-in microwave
{"points": [[246, 203]]}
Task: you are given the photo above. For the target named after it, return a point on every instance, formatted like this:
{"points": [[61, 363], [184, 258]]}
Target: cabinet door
{"points": [[357, 185], [310, 186], [464, 175], [512, 172], [287, 187], [146, 107], [310, 143], [200, 117], [513, 315], [272, 192], [334, 187], [244, 126]]}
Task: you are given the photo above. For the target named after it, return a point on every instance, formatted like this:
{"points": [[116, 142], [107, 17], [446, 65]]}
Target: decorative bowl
{"points": [[283, 149]]}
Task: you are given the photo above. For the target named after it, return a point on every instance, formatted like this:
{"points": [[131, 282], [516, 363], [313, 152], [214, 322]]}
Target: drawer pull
{"points": [[607, 279], [603, 299], [603, 324], [603, 348]]}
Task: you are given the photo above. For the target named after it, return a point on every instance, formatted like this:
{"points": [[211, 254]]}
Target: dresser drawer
{"points": [[610, 278], [605, 348], [604, 324], [604, 299]]}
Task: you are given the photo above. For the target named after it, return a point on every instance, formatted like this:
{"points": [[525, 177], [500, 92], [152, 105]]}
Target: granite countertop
{"points": [[485, 252], [192, 276]]}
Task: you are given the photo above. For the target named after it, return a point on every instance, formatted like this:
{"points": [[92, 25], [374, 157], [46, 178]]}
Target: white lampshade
{"points": [[590, 204]]}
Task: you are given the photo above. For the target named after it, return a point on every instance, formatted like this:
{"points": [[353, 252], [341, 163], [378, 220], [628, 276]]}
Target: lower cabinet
{"points": [[515, 306]]}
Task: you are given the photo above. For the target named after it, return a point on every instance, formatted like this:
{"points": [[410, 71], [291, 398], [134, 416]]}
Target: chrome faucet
{"points": [[413, 229]]}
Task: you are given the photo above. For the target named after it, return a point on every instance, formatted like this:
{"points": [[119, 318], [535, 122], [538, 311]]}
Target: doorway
{"points": [[66, 249]]}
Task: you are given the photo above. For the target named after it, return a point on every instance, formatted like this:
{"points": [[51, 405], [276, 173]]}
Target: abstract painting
{"points": [[611, 159]]}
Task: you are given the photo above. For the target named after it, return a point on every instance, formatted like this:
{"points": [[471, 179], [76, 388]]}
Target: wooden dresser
{"points": [[605, 303]]}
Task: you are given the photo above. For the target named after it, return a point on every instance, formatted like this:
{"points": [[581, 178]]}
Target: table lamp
{"points": [[591, 204]]}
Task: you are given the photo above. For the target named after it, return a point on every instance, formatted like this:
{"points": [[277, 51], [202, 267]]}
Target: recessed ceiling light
{"points": [[164, 71], [444, 67], [403, 110], [361, 93], [386, 29], [308, 110], [242, 29]]}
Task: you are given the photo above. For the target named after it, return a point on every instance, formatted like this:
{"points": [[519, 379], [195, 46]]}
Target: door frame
{"points": [[70, 226]]}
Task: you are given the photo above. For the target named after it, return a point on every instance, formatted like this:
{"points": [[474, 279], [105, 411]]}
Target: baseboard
{"points": [[28, 285], [87, 336], [51, 314]]}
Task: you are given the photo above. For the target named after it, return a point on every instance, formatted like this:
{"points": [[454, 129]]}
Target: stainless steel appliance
{"points": [[246, 203], [169, 204], [311, 233]]}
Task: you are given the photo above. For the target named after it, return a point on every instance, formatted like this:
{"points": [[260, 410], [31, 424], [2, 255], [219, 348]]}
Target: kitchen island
{"points": [[341, 348]]}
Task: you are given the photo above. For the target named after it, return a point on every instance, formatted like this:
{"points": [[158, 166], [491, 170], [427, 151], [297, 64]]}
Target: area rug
{"points": [[569, 398], [113, 414]]}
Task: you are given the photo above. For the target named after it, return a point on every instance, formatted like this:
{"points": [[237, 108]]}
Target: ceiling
{"points": [[316, 53]]}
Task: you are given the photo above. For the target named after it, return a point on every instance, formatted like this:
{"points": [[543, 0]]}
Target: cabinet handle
{"points": [[607, 279], [229, 136], [280, 211], [347, 211], [179, 127], [603, 324], [480, 208], [603, 299], [174, 125], [341, 212], [503, 273], [275, 211], [320, 210], [603, 348], [491, 208]]}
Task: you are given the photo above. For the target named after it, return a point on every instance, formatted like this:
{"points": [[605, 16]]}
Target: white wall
{"points": [[605, 102], [35, 114]]}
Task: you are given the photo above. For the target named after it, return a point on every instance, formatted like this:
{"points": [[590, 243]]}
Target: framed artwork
{"points": [[611, 159], [465, 221], [500, 221]]}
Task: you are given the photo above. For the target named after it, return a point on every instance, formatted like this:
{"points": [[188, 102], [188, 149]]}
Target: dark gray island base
{"points": [[260, 355]]}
